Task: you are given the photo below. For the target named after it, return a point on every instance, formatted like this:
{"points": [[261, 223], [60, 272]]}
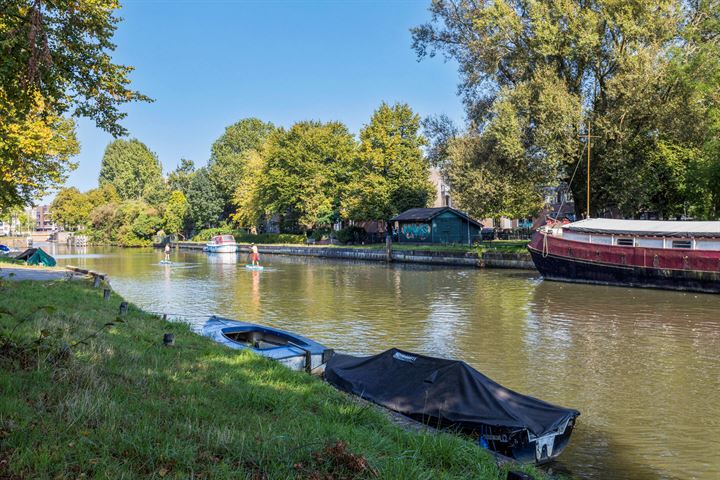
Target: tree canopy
{"points": [[130, 167], [391, 174], [229, 153], [535, 75], [205, 200], [306, 167], [56, 62]]}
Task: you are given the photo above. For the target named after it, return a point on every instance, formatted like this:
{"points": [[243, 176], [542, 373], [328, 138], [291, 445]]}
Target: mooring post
{"points": [[169, 339], [164, 317], [106, 294], [96, 281], [388, 247], [123, 308]]}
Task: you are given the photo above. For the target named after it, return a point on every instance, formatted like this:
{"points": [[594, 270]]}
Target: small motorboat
{"points": [[452, 395], [221, 244], [292, 350]]}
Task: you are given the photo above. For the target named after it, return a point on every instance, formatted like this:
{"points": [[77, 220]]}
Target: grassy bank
{"points": [[86, 394]]}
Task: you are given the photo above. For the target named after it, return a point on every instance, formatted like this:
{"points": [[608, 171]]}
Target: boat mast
{"points": [[587, 137]]}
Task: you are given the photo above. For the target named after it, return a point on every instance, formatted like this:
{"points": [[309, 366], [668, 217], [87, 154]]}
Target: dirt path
{"points": [[31, 273]]}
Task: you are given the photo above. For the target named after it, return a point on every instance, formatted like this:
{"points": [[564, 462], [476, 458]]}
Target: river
{"points": [[643, 366]]}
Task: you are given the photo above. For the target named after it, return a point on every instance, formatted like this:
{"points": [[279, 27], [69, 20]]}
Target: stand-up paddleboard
{"points": [[165, 262], [254, 267]]}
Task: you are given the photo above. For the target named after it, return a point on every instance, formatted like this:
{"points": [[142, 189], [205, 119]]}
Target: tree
{"points": [[246, 199], [56, 61], [229, 157], [205, 200], [71, 208], [536, 74], [179, 179], [392, 175], [129, 166], [305, 172], [102, 195], [176, 213]]}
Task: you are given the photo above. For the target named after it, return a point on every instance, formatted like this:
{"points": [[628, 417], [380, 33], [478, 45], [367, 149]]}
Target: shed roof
{"points": [[427, 214], [646, 227]]}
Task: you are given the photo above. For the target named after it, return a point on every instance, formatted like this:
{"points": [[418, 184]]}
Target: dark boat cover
{"points": [[448, 390]]}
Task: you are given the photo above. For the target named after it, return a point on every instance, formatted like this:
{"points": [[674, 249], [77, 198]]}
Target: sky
{"points": [[210, 63]]}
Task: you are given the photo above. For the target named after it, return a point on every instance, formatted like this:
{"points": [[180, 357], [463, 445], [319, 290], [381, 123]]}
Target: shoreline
{"points": [[488, 259], [99, 395]]}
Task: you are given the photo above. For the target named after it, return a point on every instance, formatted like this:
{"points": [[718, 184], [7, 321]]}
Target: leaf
{"points": [[162, 472], [44, 333], [109, 324]]}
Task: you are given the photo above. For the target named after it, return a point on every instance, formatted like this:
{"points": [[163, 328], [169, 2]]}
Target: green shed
{"points": [[436, 225]]}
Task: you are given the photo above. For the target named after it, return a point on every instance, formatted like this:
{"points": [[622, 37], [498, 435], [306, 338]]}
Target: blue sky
{"points": [[210, 63]]}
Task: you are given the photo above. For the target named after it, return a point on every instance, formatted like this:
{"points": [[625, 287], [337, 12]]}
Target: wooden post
{"points": [[123, 308], [164, 317], [106, 294], [388, 247], [96, 281]]}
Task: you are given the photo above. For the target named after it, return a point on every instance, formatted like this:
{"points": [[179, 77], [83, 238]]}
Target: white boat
{"points": [[221, 244]]}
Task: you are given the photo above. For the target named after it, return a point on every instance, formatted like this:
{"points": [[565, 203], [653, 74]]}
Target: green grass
{"points": [[120, 405], [11, 261]]}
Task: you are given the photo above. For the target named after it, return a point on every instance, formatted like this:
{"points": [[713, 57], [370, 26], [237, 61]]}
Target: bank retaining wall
{"points": [[470, 259]]}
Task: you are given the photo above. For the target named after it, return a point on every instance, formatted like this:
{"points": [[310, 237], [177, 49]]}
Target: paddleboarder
{"points": [[254, 255], [167, 252]]}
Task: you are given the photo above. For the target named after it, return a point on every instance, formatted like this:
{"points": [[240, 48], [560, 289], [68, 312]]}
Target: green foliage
{"points": [[241, 236], [71, 209], [205, 200], [391, 173], [351, 234], [535, 75], [146, 226], [36, 145], [229, 156], [56, 63], [306, 170], [130, 167], [176, 213], [179, 179]]}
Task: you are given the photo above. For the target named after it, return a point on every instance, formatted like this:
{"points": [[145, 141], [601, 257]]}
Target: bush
{"points": [[352, 234], [241, 236]]}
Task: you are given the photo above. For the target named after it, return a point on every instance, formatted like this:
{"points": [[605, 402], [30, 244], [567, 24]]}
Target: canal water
{"points": [[643, 366]]}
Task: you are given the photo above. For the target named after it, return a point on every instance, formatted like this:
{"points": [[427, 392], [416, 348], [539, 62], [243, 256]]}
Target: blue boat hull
{"points": [[294, 351]]}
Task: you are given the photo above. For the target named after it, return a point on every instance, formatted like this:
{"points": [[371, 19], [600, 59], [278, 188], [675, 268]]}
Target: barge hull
{"points": [[556, 267]]}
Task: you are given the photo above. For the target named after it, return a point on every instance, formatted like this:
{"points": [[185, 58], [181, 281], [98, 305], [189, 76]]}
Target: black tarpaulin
{"points": [[448, 390]]}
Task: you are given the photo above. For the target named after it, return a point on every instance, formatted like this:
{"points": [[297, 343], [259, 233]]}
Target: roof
{"points": [[427, 214], [646, 227]]}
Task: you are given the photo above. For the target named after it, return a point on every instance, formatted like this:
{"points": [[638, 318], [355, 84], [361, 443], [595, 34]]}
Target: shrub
{"points": [[352, 234], [241, 236]]}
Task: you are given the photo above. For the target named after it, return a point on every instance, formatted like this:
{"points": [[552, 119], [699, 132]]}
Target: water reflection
{"points": [[642, 366]]}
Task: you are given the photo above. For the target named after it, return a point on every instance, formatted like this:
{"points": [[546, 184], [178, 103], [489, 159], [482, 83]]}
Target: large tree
{"points": [[230, 153], [179, 179], [391, 174], [205, 201], [306, 171], [537, 74], [130, 167], [176, 213], [71, 208], [55, 62]]}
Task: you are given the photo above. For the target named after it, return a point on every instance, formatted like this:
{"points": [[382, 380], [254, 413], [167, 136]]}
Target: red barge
{"points": [[674, 255]]}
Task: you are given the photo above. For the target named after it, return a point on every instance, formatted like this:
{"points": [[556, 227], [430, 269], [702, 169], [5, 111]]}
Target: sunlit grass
{"points": [[121, 405]]}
